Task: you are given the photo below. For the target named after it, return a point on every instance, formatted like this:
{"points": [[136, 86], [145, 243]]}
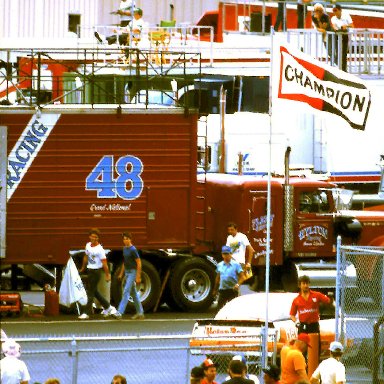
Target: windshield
{"points": [[342, 198]]}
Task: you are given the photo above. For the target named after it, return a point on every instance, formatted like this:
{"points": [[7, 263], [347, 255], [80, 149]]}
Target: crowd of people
{"points": [[237, 373], [292, 369]]}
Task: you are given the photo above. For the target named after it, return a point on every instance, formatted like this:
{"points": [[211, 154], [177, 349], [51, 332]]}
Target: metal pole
{"points": [[268, 240], [188, 366], [263, 19], [337, 293], [223, 96], [382, 285], [38, 79], [75, 362]]}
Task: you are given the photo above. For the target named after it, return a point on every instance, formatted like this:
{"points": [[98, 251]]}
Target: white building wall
{"points": [[48, 19]]}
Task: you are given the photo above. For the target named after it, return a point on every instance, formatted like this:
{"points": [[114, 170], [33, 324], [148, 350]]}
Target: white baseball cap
{"points": [[335, 346], [11, 348]]}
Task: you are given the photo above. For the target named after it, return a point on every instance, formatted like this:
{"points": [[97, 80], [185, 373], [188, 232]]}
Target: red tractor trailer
{"points": [[66, 169]]}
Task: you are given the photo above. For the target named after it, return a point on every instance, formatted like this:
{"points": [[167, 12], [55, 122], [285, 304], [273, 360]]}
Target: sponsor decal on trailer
{"points": [[27, 148], [116, 179]]}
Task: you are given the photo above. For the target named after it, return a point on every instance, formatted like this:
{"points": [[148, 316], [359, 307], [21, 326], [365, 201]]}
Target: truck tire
{"points": [[149, 288], [191, 284]]}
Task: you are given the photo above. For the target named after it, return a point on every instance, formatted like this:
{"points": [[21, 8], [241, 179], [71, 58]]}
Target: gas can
{"points": [[51, 303]]}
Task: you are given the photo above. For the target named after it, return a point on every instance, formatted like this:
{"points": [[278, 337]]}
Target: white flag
{"points": [[300, 78], [72, 288]]}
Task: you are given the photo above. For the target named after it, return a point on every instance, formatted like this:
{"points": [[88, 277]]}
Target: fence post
{"points": [[75, 362], [264, 346], [337, 293], [187, 373]]}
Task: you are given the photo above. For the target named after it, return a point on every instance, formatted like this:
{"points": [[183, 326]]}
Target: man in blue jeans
{"points": [[132, 269], [229, 277]]}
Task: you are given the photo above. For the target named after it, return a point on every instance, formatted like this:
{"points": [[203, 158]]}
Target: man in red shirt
{"points": [[305, 311], [209, 372]]}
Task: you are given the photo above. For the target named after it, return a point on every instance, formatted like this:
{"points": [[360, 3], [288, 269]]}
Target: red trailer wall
{"points": [[51, 210]]}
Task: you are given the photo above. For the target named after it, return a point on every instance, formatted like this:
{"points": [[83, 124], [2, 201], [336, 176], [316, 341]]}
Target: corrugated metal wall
{"points": [[48, 19]]}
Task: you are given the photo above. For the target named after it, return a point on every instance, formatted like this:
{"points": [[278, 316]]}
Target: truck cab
{"points": [[305, 221]]}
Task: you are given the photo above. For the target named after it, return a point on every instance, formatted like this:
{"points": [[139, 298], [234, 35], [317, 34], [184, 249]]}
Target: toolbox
{"points": [[10, 303]]}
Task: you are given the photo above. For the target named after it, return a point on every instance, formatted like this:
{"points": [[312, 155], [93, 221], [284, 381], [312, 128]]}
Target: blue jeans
{"points": [[130, 291]]}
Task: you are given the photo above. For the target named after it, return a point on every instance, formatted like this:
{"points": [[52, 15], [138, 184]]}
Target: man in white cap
{"points": [[331, 370], [13, 370], [246, 375]]}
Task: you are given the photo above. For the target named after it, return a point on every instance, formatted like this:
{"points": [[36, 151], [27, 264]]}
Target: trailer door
{"points": [[168, 216]]}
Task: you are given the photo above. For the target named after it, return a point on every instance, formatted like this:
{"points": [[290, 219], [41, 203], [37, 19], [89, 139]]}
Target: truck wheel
{"points": [[191, 284], [149, 288]]}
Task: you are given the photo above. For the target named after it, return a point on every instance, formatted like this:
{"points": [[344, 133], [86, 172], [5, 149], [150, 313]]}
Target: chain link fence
{"points": [[146, 358], [83, 359], [359, 307]]}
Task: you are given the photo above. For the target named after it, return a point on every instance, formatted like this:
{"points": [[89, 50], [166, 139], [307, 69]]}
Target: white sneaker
{"points": [[111, 311], [117, 315], [105, 313], [84, 316]]}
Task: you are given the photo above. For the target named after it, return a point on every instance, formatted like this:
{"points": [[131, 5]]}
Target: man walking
{"points": [[331, 370], [132, 269], [95, 260], [239, 244], [229, 277]]}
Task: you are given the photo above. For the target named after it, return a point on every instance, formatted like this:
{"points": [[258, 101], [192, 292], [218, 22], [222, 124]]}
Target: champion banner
{"points": [[321, 86]]}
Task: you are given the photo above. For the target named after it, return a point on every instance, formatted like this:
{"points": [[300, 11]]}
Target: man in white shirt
{"points": [[239, 244], [341, 22], [125, 10], [13, 370], [331, 370]]}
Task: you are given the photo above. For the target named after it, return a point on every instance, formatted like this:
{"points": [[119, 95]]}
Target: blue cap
{"points": [[226, 249]]}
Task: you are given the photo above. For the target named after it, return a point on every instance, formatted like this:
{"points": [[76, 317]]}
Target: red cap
{"points": [[305, 338], [208, 363]]}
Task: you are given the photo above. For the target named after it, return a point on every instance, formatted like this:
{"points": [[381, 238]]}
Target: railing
{"points": [[255, 16], [182, 38], [365, 55], [95, 76]]}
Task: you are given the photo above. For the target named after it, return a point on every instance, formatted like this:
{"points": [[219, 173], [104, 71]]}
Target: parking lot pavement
{"points": [[34, 304]]}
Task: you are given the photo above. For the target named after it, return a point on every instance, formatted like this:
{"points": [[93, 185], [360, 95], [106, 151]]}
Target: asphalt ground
{"points": [[34, 304]]}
